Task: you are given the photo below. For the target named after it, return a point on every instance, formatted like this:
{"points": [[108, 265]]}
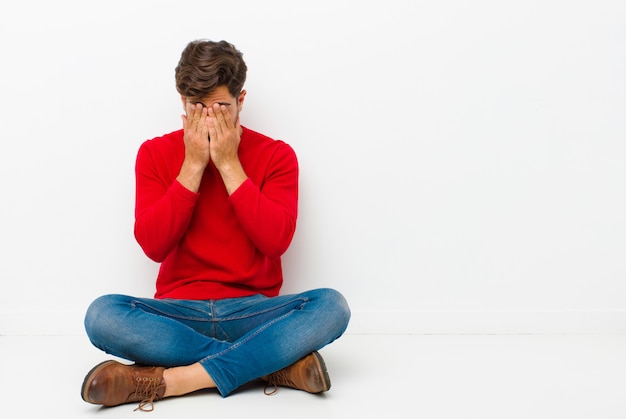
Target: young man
{"points": [[216, 205]]}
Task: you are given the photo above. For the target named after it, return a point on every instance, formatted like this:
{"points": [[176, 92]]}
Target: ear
{"points": [[240, 99]]}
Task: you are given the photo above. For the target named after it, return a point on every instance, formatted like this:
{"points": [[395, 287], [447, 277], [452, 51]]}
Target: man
{"points": [[216, 205]]}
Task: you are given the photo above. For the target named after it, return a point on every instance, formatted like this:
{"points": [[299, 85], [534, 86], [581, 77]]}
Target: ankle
{"points": [[187, 379]]}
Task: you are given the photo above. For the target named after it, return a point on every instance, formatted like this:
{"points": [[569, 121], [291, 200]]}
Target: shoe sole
{"points": [[325, 377], [87, 381]]}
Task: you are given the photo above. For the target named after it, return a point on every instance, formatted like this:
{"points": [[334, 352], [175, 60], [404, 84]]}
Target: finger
{"points": [[190, 109], [205, 126], [194, 112], [184, 118], [219, 113], [228, 121], [189, 117], [217, 120], [201, 121], [211, 126], [199, 111]]}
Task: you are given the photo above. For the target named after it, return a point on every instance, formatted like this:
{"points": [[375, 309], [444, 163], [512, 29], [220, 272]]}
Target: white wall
{"points": [[462, 162]]}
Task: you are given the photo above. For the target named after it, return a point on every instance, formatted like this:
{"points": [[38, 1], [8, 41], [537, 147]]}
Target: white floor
{"points": [[389, 376]]}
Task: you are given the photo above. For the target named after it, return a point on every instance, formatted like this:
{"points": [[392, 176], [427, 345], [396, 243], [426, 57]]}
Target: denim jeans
{"points": [[236, 340]]}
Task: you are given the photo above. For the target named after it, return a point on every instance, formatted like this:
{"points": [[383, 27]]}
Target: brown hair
{"points": [[204, 65]]}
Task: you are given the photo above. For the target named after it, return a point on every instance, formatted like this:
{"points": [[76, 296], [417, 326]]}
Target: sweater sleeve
{"points": [[162, 211], [268, 212]]}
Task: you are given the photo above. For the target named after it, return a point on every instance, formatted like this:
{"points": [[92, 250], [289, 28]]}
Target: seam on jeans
{"points": [[256, 313], [136, 303], [214, 323], [256, 332], [217, 321], [211, 314]]}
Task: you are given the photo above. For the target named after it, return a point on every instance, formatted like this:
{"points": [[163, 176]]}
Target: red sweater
{"points": [[210, 245]]}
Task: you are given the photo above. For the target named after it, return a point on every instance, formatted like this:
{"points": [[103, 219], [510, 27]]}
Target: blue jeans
{"points": [[236, 340]]}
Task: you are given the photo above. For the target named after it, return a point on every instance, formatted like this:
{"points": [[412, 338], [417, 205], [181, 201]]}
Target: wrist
{"points": [[232, 174], [190, 175]]}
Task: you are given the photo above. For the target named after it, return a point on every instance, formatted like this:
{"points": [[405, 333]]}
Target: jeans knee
{"points": [[337, 304], [98, 315]]}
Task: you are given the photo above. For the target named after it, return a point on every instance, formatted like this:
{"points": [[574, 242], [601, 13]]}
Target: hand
{"points": [[225, 136], [196, 137], [197, 151]]}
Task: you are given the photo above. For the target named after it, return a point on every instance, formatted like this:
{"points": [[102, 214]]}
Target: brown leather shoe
{"points": [[308, 374], [111, 383]]}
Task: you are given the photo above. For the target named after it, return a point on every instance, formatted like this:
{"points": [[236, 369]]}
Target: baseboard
{"points": [[490, 322], [384, 322], [51, 323]]}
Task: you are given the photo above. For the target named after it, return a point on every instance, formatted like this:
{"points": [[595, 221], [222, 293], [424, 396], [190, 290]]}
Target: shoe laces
{"points": [[278, 378], [147, 390]]}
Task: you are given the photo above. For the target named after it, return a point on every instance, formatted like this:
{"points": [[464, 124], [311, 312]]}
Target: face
{"points": [[222, 96]]}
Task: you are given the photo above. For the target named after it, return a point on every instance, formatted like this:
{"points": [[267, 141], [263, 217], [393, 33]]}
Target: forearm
{"points": [[190, 175], [270, 223], [268, 210], [233, 175], [160, 226]]}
